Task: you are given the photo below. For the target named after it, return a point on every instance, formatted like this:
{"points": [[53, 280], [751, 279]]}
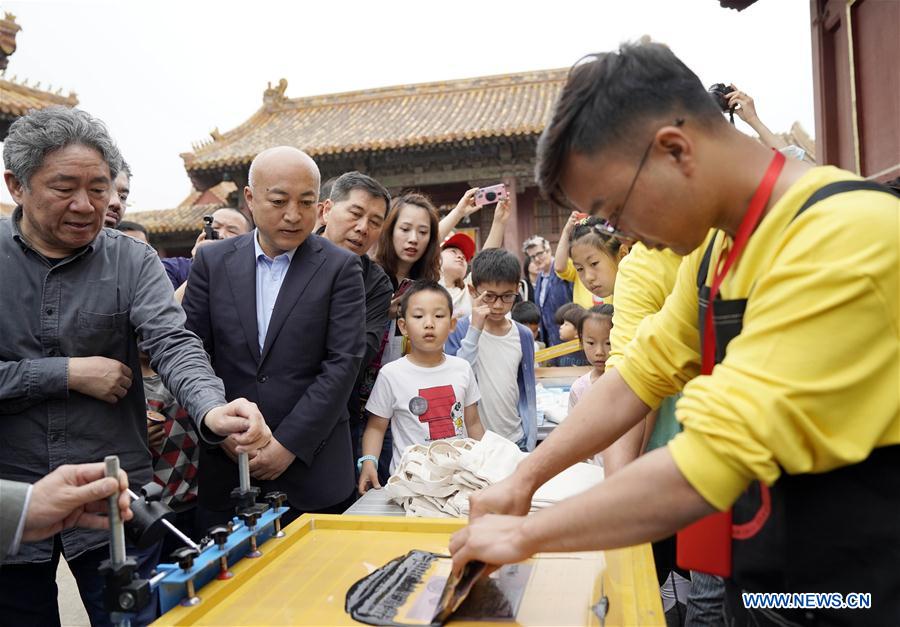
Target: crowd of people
{"points": [[334, 325], [116, 350]]}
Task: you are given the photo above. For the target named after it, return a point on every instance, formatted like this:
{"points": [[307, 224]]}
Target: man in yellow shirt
{"points": [[644, 280], [798, 424]]}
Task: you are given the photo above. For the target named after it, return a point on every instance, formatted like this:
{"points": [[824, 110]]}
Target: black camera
{"points": [[719, 93], [211, 233]]}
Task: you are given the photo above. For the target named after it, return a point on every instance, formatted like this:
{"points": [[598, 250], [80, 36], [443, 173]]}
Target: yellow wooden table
{"points": [[302, 579], [562, 374]]}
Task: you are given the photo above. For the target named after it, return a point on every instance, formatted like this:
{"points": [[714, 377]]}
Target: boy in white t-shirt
{"points": [[425, 395]]}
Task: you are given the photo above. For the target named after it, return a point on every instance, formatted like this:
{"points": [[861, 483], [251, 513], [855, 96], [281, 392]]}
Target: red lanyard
{"points": [[745, 230]]}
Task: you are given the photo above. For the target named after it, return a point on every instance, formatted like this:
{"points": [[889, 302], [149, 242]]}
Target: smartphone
{"points": [[402, 287], [492, 194]]}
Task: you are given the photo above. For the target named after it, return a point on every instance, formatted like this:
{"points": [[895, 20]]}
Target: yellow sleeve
{"points": [[643, 281], [665, 352], [811, 384], [569, 274], [582, 295]]}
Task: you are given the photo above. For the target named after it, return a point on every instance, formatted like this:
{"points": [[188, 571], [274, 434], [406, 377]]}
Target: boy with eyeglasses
{"points": [[500, 350]]}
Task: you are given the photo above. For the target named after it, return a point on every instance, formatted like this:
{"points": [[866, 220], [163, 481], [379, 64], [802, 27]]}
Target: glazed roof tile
{"points": [[396, 117], [16, 99]]}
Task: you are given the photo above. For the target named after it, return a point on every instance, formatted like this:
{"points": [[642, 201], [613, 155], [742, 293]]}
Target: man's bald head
{"points": [[228, 222], [282, 194], [282, 157]]}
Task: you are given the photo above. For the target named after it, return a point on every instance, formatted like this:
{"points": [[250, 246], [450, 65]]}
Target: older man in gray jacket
{"points": [[79, 301]]}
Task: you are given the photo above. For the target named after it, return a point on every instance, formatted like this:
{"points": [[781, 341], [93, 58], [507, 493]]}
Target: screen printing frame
{"points": [[628, 579]]}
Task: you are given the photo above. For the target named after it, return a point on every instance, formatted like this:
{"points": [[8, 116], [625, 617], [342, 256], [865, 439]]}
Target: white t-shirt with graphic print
{"points": [[447, 390]]}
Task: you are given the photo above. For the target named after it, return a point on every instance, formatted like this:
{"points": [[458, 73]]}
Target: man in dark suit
{"points": [[281, 313], [353, 218]]}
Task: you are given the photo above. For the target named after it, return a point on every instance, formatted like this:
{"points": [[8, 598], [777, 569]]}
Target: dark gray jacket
{"points": [[105, 300]]}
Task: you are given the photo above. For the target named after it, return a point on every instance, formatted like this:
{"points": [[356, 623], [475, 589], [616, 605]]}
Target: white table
{"points": [[375, 503]]}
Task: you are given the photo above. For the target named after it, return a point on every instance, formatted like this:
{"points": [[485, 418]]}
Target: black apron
{"points": [[837, 531]]}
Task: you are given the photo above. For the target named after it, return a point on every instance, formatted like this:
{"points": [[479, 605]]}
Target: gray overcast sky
{"points": [[163, 74]]}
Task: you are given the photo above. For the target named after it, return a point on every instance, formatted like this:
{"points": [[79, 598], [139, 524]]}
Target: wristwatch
{"points": [[371, 458]]}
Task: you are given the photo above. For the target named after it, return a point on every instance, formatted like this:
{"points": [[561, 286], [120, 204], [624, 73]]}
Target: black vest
{"points": [[837, 531]]}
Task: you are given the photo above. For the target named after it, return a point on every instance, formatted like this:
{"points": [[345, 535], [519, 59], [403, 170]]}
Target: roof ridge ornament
{"points": [[8, 30], [274, 96]]}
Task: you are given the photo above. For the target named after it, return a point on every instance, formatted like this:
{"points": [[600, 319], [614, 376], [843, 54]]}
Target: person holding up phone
{"points": [[472, 201], [457, 249]]}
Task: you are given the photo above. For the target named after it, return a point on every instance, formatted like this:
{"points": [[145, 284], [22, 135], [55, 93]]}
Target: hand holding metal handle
{"points": [[244, 471], [116, 525]]}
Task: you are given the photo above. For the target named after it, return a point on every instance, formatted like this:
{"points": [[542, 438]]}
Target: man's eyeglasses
{"points": [[540, 254], [611, 224], [490, 298]]}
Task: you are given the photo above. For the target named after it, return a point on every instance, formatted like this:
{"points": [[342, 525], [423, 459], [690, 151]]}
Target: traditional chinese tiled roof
{"points": [[177, 220], [799, 137], [16, 98], [188, 215], [214, 195], [388, 118], [8, 31]]}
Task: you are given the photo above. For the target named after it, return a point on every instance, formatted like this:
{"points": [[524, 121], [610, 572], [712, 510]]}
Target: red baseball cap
{"points": [[463, 242]]}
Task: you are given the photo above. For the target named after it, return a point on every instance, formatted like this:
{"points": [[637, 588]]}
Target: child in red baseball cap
{"points": [[456, 253]]}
